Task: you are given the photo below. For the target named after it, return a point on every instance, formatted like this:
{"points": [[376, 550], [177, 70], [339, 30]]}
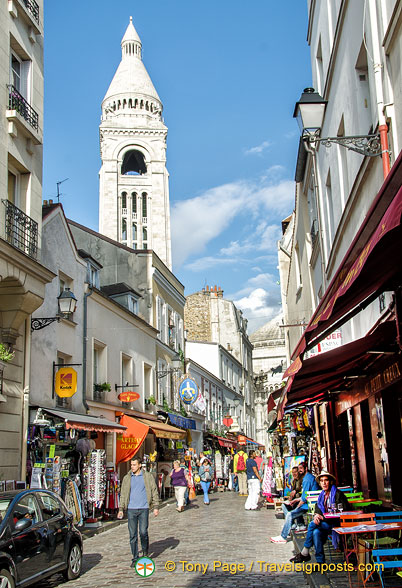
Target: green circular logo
{"points": [[145, 567]]}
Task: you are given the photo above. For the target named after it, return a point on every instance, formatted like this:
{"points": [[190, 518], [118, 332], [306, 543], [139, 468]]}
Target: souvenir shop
{"points": [[220, 451], [67, 454], [292, 441]]}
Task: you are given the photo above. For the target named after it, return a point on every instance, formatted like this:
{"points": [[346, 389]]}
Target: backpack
{"points": [[241, 464]]}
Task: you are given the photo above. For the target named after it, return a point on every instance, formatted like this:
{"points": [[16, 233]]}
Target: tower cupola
{"points": [[131, 45]]}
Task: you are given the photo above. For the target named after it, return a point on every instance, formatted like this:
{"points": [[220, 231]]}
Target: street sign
{"points": [[66, 382], [188, 390], [128, 396]]}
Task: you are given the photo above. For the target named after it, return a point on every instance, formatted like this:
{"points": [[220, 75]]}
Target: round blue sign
{"points": [[188, 391]]}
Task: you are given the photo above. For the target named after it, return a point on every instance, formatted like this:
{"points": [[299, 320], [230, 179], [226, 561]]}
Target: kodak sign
{"points": [[66, 382]]}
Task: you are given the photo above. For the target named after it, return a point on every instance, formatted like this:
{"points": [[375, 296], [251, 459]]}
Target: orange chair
{"points": [[351, 520]]}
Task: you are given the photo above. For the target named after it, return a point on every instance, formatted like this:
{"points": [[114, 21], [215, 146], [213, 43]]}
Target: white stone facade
{"points": [[134, 182], [355, 55], [22, 276]]}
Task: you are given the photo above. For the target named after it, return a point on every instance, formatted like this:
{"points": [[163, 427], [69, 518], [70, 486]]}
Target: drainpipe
{"points": [[25, 398], [377, 68], [84, 346]]}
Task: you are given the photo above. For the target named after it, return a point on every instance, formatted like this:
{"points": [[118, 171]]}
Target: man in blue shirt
{"points": [[300, 504], [138, 494]]}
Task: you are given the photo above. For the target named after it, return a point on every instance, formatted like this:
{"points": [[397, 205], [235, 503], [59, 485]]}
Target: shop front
{"points": [[368, 420], [67, 454]]}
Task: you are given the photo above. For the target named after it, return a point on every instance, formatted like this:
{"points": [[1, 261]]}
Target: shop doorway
{"points": [[344, 464], [392, 411], [368, 449]]}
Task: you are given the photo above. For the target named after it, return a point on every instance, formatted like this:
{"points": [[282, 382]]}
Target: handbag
{"points": [[191, 493]]}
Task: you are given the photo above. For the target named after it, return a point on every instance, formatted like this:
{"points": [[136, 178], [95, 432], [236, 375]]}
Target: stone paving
{"points": [[222, 532]]}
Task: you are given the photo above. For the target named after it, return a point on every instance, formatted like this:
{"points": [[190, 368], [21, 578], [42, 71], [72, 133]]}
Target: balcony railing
{"points": [[21, 230], [18, 103], [33, 8]]}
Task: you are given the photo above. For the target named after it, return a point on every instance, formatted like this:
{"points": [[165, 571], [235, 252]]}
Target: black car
{"points": [[37, 538]]}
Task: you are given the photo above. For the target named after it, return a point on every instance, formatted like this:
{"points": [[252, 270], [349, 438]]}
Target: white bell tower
{"points": [[134, 182]]}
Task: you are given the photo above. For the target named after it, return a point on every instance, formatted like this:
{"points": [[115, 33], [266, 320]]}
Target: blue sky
{"points": [[228, 74]]}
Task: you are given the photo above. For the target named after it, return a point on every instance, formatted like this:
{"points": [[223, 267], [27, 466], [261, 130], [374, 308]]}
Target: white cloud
{"points": [[204, 263], [196, 221], [258, 149], [259, 306]]}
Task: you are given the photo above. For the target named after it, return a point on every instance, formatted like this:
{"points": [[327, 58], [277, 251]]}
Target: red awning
{"points": [[369, 266], [129, 442], [313, 377], [223, 442]]}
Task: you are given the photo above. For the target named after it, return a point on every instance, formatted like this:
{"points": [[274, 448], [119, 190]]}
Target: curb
{"points": [[315, 579]]}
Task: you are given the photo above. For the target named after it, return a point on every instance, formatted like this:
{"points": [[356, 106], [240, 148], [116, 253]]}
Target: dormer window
{"points": [[93, 274]]}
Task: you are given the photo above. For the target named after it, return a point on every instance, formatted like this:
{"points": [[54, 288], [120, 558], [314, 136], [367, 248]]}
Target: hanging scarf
{"points": [[267, 482]]}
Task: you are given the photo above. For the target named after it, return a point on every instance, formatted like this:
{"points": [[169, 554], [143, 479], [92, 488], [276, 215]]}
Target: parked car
{"points": [[37, 538]]}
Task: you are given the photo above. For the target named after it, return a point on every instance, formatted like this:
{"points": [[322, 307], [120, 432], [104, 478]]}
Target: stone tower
{"points": [[134, 185]]}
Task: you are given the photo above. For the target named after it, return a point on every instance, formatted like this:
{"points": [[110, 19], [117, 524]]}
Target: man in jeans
{"points": [[309, 483], [138, 494]]}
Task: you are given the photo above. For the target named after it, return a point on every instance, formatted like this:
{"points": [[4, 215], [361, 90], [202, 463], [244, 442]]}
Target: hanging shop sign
{"points": [[181, 421], [66, 382], [188, 390], [128, 443], [242, 440], [128, 396], [227, 421]]}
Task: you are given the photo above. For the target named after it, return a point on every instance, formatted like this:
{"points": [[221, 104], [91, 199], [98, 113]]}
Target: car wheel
{"points": [[74, 563], [6, 579]]}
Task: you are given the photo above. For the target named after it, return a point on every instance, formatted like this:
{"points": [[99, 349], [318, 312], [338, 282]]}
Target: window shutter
{"points": [[26, 80]]}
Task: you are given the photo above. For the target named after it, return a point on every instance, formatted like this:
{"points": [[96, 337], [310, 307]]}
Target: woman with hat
{"points": [[319, 528]]}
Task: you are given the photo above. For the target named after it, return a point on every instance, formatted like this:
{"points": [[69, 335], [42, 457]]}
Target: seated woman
{"points": [[319, 528]]}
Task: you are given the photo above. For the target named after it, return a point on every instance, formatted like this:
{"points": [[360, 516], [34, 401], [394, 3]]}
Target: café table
{"points": [[359, 549]]}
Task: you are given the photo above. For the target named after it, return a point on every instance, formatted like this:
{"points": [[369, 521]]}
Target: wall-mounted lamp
{"points": [[67, 304], [176, 367], [309, 112]]}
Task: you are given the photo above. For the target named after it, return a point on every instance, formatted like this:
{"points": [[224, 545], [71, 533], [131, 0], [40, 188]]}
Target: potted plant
{"points": [[99, 389], [152, 400], [5, 355]]}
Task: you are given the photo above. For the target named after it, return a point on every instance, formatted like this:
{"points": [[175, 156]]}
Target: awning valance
{"points": [[181, 421], [85, 422], [312, 377], [369, 266], [164, 431], [223, 442]]}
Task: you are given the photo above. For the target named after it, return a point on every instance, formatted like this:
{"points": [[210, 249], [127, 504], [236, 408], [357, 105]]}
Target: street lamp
{"points": [[67, 303], [309, 112], [176, 367]]}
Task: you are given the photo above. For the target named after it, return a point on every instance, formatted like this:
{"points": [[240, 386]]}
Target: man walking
{"points": [[239, 465], [309, 483], [138, 494]]}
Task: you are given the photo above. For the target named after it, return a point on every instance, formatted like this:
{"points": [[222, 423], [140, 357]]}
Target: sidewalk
{"points": [[329, 579]]}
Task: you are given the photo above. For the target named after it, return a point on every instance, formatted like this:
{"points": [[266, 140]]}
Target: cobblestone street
{"points": [[223, 532]]}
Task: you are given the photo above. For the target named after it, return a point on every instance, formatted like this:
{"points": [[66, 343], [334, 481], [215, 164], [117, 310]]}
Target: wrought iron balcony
{"points": [[33, 8], [18, 103], [21, 230]]}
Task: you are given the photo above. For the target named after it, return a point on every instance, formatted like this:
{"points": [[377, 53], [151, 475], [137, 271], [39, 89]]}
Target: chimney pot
{"points": [[45, 203], [50, 201]]}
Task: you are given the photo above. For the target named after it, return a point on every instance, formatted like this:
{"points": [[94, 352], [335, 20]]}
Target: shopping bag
{"points": [[191, 493]]}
